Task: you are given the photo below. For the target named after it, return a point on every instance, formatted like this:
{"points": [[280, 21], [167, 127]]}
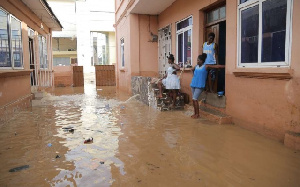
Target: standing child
{"points": [[199, 80], [211, 49]]}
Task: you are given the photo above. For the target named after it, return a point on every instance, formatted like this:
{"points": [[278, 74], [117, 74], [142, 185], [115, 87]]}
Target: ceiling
{"points": [[153, 7], [44, 13]]}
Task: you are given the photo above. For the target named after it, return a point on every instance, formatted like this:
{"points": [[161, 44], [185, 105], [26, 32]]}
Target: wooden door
{"points": [[78, 76], [214, 29], [105, 75]]}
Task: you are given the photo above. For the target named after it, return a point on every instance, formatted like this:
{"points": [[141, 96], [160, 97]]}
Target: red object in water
{"points": [[90, 140]]}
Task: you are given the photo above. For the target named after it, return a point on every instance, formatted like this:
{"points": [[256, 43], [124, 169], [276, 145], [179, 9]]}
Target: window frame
{"points": [[9, 33], [288, 41], [181, 31], [122, 56]]}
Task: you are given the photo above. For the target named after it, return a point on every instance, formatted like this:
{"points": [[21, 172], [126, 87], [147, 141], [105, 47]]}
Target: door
{"points": [[214, 29], [33, 74], [164, 49]]}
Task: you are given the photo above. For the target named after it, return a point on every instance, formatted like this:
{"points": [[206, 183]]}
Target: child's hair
{"points": [[212, 35], [171, 57], [202, 57]]}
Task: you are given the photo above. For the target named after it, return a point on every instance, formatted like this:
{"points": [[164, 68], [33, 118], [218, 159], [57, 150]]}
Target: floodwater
{"points": [[134, 145]]}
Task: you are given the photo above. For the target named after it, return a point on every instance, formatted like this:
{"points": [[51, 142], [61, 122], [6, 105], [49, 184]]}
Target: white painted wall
{"points": [[79, 18]]}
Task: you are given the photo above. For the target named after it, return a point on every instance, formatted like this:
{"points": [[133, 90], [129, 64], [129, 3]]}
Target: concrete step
{"points": [[292, 140], [215, 115]]}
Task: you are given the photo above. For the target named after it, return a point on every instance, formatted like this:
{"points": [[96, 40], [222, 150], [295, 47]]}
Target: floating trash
{"points": [[19, 168], [57, 156], [122, 107], [49, 144], [101, 162], [90, 140], [99, 89]]}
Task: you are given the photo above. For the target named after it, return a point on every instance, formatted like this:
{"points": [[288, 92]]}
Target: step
{"points": [[215, 115], [292, 140]]}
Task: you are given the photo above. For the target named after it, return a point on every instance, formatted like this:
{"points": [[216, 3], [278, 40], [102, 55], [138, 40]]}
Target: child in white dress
{"points": [[170, 80]]}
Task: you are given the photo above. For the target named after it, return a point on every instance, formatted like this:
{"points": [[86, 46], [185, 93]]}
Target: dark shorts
{"points": [[212, 74]]}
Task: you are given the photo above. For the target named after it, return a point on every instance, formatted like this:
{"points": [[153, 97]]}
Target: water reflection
{"points": [[134, 145]]}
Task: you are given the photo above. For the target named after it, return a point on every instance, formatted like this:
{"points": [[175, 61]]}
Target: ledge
{"points": [[186, 69], [122, 69], [14, 73], [262, 73]]}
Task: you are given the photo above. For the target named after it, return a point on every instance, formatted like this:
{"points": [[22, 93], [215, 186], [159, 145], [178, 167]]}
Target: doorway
{"points": [[216, 23], [33, 74]]}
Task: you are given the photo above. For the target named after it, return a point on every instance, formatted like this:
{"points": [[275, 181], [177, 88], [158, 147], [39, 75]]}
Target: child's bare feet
{"points": [[195, 116]]}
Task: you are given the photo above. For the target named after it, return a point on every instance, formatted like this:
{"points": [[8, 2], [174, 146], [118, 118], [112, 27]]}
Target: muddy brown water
{"points": [[134, 145]]}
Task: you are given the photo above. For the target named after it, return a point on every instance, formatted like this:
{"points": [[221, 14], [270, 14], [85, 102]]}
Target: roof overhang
{"points": [[44, 12], [153, 7]]}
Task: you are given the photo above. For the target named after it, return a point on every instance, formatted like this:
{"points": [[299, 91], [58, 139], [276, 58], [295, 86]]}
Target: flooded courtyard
{"points": [[133, 145]]}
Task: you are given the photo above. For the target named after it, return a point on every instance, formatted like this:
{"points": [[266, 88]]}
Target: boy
{"points": [[211, 49]]}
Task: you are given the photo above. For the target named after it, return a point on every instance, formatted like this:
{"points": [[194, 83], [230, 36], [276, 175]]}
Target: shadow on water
{"points": [[133, 145]]}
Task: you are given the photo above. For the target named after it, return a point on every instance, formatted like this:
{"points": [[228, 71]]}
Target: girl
{"points": [[199, 80], [170, 80]]}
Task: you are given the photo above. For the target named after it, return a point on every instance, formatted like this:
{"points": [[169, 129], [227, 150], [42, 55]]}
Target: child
{"points": [[199, 80]]}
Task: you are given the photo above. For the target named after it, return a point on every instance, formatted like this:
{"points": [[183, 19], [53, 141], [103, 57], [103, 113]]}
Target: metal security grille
{"points": [[164, 49]]}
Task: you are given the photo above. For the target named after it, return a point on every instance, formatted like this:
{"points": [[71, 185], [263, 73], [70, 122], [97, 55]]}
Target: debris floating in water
{"points": [[57, 156], [90, 140], [122, 107], [15, 133], [19, 168], [49, 145], [102, 162], [99, 89]]}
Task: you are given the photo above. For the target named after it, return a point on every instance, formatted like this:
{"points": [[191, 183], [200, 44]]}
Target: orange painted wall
{"points": [[140, 54], [15, 86], [267, 106], [178, 11], [63, 75]]}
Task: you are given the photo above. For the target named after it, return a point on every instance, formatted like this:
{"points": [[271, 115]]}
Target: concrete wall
{"points": [[63, 76], [15, 84], [112, 47], [140, 53], [268, 106], [64, 44], [263, 101]]}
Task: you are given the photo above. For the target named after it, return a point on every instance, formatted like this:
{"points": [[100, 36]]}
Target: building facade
{"points": [[26, 51], [257, 44]]}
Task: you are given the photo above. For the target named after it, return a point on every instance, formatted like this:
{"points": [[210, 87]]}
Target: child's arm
{"points": [[214, 66]]}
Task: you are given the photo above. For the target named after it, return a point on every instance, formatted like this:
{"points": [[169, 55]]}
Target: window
{"points": [[216, 15], [11, 52], [264, 32], [184, 41], [122, 53], [61, 61], [43, 52]]}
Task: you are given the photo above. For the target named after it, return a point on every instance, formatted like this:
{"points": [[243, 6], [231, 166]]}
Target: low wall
{"points": [[15, 93], [63, 76], [140, 85]]}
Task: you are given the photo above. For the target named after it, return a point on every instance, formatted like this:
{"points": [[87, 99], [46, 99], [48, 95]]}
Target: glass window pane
{"points": [[215, 15], [61, 61], [273, 30], [180, 49], [16, 42], [209, 17], [4, 44], [243, 1], [187, 47], [222, 12], [184, 23], [249, 35]]}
